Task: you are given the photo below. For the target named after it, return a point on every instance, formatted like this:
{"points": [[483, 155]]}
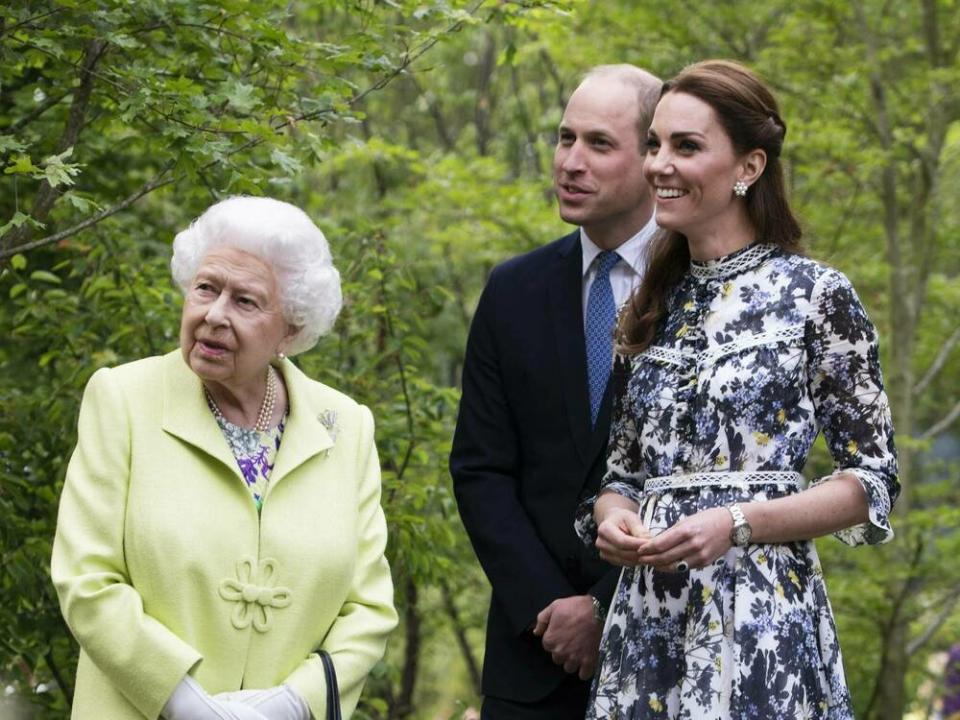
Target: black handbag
{"points": [[333, 691]]}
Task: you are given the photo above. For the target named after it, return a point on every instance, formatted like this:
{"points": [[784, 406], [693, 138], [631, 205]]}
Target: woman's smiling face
{"points": [[691, 165]]}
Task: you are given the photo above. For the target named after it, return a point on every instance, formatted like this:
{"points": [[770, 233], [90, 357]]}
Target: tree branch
{"points": [[460, 631], [436, 112], [411, 653], [888, 627], [58, 676], [158, 182], [483, 107], [22, 23], [941, 425], [47, 194], [938, 362], [953, 597], [12, 249], [36, 112], [550, 66], [526, 123]]}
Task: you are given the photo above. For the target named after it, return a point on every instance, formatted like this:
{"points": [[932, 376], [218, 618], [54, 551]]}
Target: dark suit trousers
{"points": [[567, 702]]}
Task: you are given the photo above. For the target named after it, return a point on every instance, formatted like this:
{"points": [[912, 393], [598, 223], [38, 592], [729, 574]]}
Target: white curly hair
{"points": [[282, 235]]}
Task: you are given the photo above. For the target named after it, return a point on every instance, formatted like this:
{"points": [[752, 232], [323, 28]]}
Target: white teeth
{"points": [[670, 192]]}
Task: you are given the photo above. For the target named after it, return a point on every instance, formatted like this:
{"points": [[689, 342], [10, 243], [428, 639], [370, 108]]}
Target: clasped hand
{"points": [[698, 540], [571, 634], [190, 701]]}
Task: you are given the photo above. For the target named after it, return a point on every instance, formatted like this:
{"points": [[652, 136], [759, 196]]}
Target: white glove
{"points": [[276, 703], [189, 701]]}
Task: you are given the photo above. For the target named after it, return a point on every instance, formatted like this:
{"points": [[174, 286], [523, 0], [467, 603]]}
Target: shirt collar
{"points": [[632, 251], [746, 258]]}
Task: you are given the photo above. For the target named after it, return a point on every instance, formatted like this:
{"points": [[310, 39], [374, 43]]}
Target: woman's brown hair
{"points": [[748, 112]]}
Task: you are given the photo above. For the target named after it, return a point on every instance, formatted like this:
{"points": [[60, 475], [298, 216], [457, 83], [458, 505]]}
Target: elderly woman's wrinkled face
{"points": [[232, 324]]}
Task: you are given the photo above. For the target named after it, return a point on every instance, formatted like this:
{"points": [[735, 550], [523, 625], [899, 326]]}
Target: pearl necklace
{"points": [[267, 407]]}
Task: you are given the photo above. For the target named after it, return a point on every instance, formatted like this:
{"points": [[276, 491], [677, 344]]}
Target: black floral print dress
{"points": [[760, 350]]}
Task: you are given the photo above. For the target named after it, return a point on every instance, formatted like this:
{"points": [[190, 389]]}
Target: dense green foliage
{"points": [[419, 136]]}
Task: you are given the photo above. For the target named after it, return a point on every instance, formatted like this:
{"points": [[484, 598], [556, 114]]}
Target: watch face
{"points": [[741, 534]]}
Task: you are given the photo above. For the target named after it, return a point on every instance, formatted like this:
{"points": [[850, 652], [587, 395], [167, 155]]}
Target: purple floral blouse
{"points": [[256, 454]]}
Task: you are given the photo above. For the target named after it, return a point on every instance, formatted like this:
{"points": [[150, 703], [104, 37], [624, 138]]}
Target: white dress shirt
{"points": [[626, 275]]}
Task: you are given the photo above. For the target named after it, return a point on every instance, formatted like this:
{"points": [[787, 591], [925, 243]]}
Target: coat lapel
{"points": [[566, 307], [305, 435], [186, 416]]}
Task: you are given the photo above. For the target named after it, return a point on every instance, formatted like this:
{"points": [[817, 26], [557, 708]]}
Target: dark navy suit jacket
{"points": [[525, 455]]}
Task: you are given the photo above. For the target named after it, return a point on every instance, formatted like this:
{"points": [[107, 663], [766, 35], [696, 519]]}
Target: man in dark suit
{"points": [[534, 416]]}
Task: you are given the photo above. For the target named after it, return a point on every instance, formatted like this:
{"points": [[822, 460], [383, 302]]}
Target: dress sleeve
{"points": [[624, 475], [141, 656], [851, 406], [358, 637]]}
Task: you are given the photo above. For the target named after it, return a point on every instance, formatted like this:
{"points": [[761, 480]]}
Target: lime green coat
{"points": [[163, 566]]}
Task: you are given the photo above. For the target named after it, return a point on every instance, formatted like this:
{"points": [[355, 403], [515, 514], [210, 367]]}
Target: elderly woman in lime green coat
{"points": [[220, 522]]}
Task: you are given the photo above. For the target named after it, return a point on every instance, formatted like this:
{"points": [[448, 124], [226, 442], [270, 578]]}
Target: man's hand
{"points": [[571, 634]]}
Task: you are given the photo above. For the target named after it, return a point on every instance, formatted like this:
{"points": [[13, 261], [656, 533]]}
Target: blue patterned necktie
{"points": [[601, 315]]}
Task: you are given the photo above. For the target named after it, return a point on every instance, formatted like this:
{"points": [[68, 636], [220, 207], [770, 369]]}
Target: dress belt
{"points": [[689, 481]]}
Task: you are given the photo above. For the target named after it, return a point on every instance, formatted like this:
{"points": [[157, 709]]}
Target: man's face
{"points": [[598, 162]]}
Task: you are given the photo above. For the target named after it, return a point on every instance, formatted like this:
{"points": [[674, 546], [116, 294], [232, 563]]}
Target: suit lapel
{"points": [[601, 431], [566, 307]]}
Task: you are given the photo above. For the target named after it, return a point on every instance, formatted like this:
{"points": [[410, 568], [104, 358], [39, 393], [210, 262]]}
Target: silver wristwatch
{"points": [[599, 611], [741, 532]]}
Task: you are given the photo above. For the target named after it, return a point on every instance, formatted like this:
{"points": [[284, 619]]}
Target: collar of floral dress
{"points": [[746, 258]]}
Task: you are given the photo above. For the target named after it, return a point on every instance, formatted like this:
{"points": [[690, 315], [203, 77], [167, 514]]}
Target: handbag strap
{"points": [[333, 691]]}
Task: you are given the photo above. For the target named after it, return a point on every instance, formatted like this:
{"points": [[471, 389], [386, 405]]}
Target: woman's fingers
{"points": [[620, 536], [631, 524], [696, 540]]}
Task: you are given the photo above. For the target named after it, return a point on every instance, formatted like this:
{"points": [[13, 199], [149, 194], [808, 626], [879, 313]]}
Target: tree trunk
{"points": [[402, 705], [484, 105], [460, 631]]}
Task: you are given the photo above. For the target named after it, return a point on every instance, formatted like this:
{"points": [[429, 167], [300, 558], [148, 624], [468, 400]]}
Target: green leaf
{"points": [[289, 164], [18, 262], [241, 97], [45, 276], [58, 172], [21, 165], [82, 203], [10, 142], [18, 220]]}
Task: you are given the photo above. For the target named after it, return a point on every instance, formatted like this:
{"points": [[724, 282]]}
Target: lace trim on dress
{"points": [[733, 264], [680, 358], [659, 353], [744, 480], [770, 337], [877, 528]]}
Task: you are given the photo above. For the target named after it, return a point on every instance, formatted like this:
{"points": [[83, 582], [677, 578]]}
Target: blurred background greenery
{"points": [[419, 135]]}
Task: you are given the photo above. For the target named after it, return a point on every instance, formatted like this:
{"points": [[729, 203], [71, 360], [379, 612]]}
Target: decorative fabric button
{"points": [[255, 596]]}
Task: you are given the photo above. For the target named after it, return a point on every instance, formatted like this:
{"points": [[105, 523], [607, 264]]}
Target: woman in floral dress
{"points": [[733, 354]]}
